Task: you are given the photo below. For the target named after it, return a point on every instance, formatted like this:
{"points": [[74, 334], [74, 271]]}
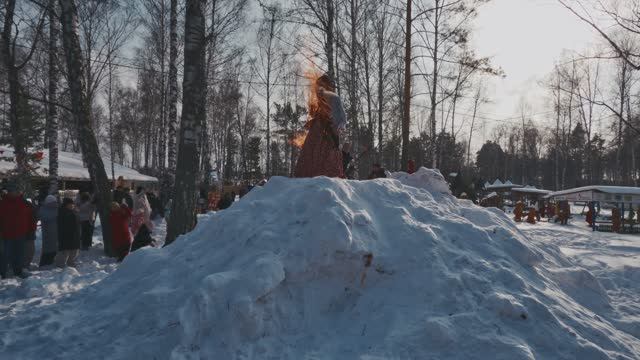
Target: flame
{"points": [[317, 107], [298, 139], [316, 103]]}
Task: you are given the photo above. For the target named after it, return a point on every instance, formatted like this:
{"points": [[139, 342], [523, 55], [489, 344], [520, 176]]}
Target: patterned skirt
{"points": [[320, 155]]}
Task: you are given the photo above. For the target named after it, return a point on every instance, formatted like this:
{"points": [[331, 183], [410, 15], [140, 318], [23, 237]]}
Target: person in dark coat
{"points": [[143, 238], [30, 241], [68, 235], [377, 172], [226, 201], [156, 206], [346, 157], [118, 195], [15, 226], [86, 215], [48, 215], [128, 198], [119, 218]]}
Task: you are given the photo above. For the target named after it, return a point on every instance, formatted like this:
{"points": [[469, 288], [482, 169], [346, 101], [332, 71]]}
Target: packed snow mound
{"points": [[333, 269], [427, 179]]}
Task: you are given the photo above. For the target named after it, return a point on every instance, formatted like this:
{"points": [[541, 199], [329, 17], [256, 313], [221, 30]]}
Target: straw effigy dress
{"points": [[320, 154]]}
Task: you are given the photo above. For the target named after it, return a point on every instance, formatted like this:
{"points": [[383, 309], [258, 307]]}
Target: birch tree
{"points": [[193, 116], [269, 63], [172, 121], [320, 17], [52, 111]]}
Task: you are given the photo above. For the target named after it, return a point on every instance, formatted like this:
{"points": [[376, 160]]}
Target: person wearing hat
{"points": [[15, 224], [68, 235], [48, 216]]}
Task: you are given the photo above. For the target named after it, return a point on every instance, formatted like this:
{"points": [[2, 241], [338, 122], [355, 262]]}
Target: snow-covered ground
{"points": [[51, 285], [604, 269], [284, 274]]}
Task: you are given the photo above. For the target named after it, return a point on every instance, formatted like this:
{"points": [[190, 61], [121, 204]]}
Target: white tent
{"points": [[70, 167]]}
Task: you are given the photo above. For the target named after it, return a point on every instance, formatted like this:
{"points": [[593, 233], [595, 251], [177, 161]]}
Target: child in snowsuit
{"points": [[119, 218]]}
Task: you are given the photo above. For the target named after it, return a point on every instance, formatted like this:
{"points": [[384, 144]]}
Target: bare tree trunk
{"points": [[173, 91], [193, 117], [434, 86], [556, 173], [81, 115], [380, 44], [632, 146], [366, 62], [162, 143], [169, 181], [406, 118], [272, 23], [330, 39], [353, 79], [112, 153], [52, 111], [15, 125], [476, 103]]}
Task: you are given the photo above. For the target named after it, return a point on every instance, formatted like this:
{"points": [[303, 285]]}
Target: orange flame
{"points": [[313, 103], [317, 108], [298, 139], [316, 103]]}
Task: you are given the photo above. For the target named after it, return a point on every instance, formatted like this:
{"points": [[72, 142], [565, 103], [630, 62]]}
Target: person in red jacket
{"points": [[15, 225], [119, 217]]}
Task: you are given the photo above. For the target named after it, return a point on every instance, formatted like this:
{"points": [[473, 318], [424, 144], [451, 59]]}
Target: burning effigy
{"points": [[320, 153]]}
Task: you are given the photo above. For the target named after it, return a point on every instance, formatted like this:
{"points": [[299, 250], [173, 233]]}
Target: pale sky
{"points": [[525, 38]]}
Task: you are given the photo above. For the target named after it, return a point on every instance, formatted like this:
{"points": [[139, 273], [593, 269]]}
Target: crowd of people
{"points": [[558, 211], [67, 226]]}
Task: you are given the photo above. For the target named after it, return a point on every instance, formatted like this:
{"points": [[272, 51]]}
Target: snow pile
{"points": [[427, 179], [332, 269]]}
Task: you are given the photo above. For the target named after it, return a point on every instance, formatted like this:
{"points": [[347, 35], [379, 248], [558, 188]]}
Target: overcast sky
{"points": [[525, 38]]}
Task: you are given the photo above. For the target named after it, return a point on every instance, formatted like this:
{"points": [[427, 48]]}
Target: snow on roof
{"points": [[622, 190], [71, 167], [601, 193], [531, 190], [500, 185], [491, 195]]}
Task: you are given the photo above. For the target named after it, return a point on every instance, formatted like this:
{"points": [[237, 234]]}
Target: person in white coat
{"points": [[141, 212]]}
